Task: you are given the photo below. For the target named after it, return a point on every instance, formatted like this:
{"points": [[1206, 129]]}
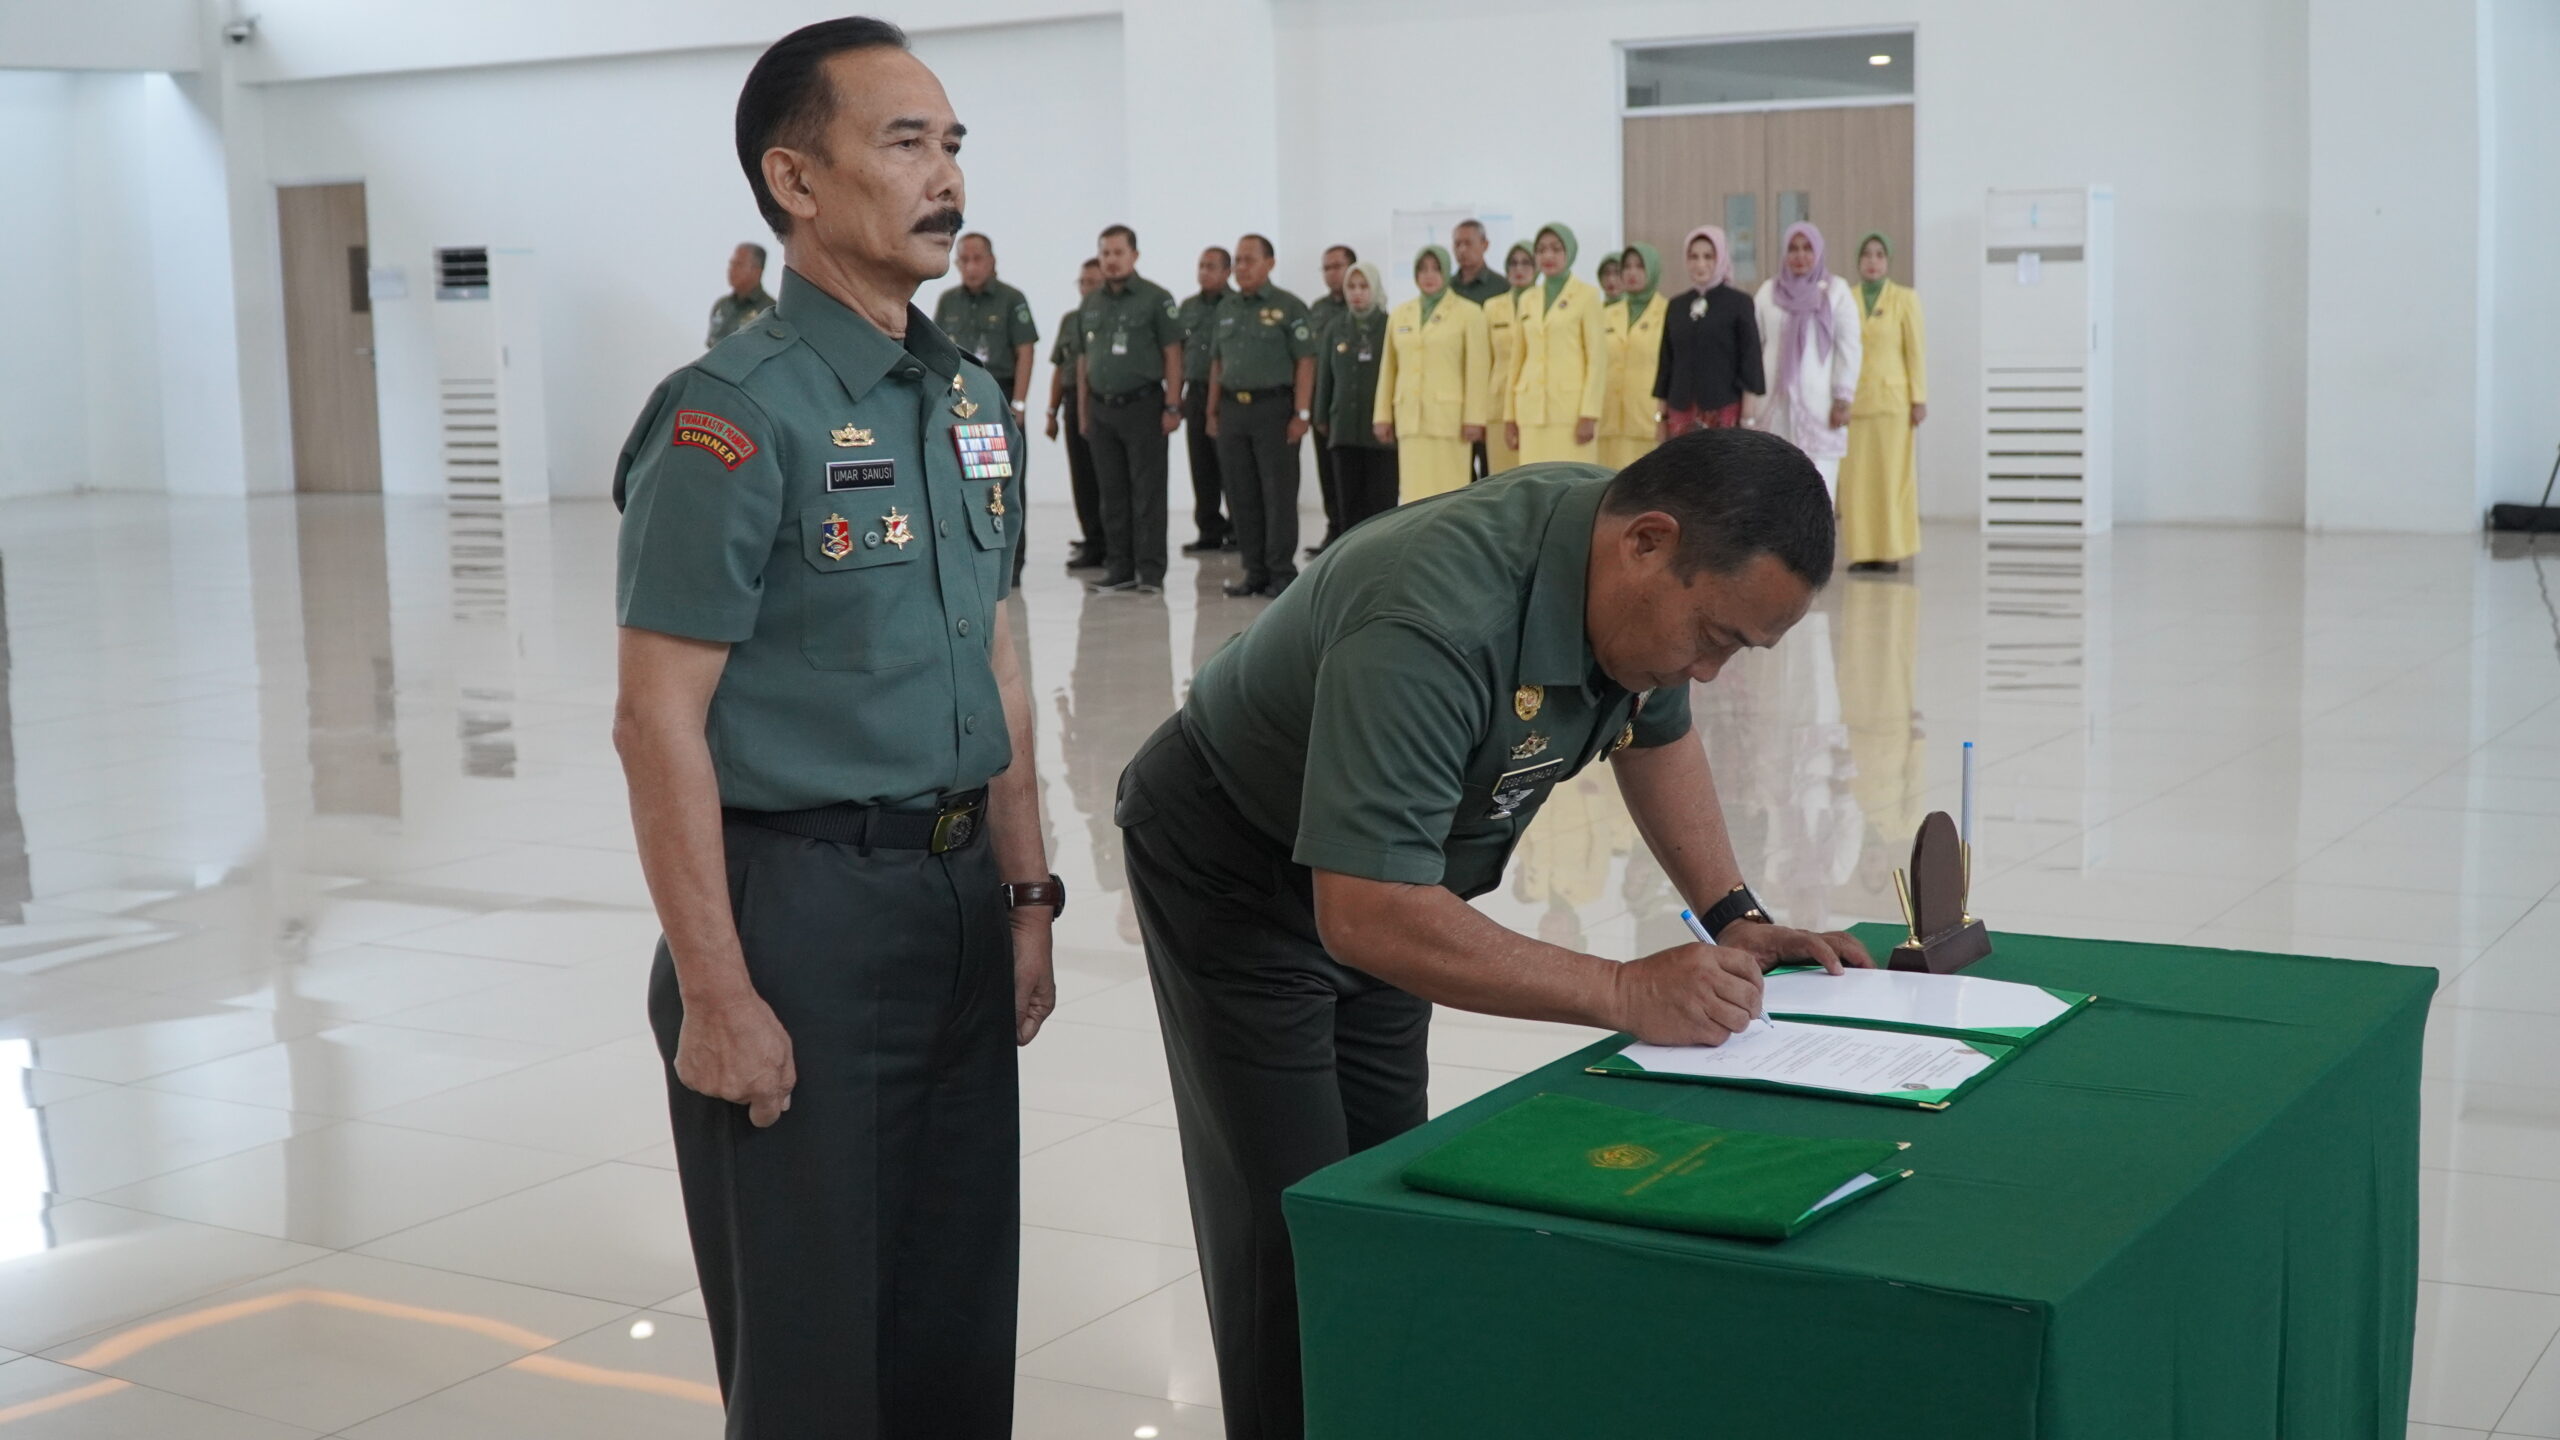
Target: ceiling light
{"points": [[642, 1329], [1145, 1432], [1879, 59]]}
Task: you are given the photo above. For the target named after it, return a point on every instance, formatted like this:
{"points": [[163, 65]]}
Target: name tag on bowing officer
{"points": [[1516, 787], [985, 454], [861, 475]]}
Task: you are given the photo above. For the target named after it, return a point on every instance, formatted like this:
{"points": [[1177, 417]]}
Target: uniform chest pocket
{"points": [[862, 583], [992, 514]]}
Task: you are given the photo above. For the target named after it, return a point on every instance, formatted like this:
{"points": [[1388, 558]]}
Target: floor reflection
{"points": [[17, 882], [346, 639], [484, 639]]}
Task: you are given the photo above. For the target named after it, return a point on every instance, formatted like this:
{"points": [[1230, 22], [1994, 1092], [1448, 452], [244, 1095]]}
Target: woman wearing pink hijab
{"points": [[1710, 345], [1809, 346]]}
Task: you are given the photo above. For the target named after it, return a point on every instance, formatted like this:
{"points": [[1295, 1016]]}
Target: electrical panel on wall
{"points": [[2048, 372], [489, 376]]}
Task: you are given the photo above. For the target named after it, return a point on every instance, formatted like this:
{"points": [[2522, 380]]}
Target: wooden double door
{"points": [[1847, 169]]}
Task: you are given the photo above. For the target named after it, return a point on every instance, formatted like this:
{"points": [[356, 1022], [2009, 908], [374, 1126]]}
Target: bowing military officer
{"points": [[1303, 835], [746, 298], [828, 745], [1262, 367], [1199, 314], [1129, 387]]}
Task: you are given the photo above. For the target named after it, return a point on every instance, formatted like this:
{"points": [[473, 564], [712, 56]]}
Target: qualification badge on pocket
{"points": [[835, 537]]}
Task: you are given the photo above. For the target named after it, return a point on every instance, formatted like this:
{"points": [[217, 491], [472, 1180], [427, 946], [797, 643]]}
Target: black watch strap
{"points": [[1737, 905], [1051, 892]]}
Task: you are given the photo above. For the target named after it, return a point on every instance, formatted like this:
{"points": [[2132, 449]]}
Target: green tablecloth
{"points": [[2192, 1211]]}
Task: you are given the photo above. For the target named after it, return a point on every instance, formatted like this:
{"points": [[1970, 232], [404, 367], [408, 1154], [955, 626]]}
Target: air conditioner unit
{"points": [[2048, 367], [488, 332]]}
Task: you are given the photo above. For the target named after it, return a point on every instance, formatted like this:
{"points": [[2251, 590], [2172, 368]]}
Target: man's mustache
{"points": [[940, 222]]}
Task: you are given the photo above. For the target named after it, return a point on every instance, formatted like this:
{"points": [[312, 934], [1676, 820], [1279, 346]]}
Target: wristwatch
{"points": [[1173, 410], [1738, 905], [1051, 892]]}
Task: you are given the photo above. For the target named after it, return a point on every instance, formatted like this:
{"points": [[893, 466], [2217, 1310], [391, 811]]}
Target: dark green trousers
{"points": [[1284, 1060], [1260, 470], [858, 1257], [1130, 457]]}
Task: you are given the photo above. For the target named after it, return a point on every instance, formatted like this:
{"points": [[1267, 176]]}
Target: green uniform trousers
{"points": [[1130, 450], [1208, 492], [1283, 1059], [1260, 469], [859, 1256], [1081, 482]]}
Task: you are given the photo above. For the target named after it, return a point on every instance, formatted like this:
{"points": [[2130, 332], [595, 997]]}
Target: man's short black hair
{"points": [[1262, 240], [1122, 231], [1225, 256], [1736, 494], [1090, 263], [1470, 223], [788, 101], [981, 237], [1349, 255], [751, 245]]}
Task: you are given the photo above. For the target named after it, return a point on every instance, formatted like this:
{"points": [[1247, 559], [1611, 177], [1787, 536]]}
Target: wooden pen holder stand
{"points": [[1945, 936]]}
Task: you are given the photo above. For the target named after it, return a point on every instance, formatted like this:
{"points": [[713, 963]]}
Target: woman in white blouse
{"points": [[1810, 353]]}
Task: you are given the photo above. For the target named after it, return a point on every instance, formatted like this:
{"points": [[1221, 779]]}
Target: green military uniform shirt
{"points": [[731, 312], [800, 495], [1324, 314], [1069, 345], [987, 326], [1488, 283], [1259, 338], [1401, 712], [1347, 377], [1125, 331], [1198, 314]]}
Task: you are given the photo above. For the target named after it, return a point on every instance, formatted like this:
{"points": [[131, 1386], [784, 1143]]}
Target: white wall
{"points": [[99, 34], [41, 368], [2522, 41], [620, 174], [119, 333], [2192, 109]]}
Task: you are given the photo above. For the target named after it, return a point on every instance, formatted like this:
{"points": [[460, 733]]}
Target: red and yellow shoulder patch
{"points": [[705, 431]]}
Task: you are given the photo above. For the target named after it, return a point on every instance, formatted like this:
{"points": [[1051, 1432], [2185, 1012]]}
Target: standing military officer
{"points": [[1128, 380], [1198, 315], [1303, 835], [1088, 552], [1479, 282], [828, 744], [746, 298], [1262, 367], [991, 321], [1328, 308]]}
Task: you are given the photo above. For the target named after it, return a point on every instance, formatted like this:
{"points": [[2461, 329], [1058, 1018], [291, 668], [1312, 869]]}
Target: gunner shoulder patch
{"points": [[705, 431]]}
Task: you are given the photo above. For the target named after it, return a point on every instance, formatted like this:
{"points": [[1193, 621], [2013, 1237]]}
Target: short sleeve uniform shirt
{"points": [[1126, 329], [1401, 712], [1260, 338], [987, 325], [807, 495]]}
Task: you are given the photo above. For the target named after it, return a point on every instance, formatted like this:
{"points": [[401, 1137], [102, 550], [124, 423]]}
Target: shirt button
{"points": [[946, 529], [969, 723], [964, 627], [774, 330]]}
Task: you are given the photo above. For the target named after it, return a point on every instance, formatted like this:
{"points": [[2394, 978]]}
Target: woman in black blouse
{"points": [[1710, 345]]}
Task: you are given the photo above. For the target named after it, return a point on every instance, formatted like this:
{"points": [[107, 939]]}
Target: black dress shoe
{"points": [[1204, 546], [1083, 557], [1241, 589], [1110, 587]]}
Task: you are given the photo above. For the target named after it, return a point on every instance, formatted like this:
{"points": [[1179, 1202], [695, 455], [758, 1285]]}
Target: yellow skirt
{"points": [[1498, 456], [1427, 466], [1880, 489], [1554, 442], [1620, 451]]}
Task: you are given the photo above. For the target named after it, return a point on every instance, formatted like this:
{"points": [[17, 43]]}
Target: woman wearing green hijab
{"points": [[1630, 417], [1348, 362], [1880, 478], [1436, 387], [1502, 329], [1560, 375]]}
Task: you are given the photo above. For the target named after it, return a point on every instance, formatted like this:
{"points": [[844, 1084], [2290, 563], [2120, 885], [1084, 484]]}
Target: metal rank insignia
{"points": [[1528, 700], [961, 404], [985, 453], [850, 436], [893, 528], [1530, 748], [835, 537], [1625, 738], [995, 502]]}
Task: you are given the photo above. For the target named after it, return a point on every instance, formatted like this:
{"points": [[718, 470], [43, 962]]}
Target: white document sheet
{"points": [[1823, 1057], [1903, 997], [1855, 1185]]}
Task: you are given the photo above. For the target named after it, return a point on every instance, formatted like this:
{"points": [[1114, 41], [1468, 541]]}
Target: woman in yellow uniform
{"points": [[1435, 383], [1630, 417], [1880, 479], [1560, 374], [1502, 327]]}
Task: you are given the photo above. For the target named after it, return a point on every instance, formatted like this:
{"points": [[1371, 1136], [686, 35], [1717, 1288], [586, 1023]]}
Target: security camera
{"points": [[241, 31]]}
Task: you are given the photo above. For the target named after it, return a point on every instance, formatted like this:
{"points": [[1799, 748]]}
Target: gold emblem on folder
{"points": [[1528, 700], [1622, 1157], [850, 436]]}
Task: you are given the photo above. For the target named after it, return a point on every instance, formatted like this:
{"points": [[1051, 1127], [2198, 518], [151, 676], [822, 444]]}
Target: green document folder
{"points": [[1570, 1156]]}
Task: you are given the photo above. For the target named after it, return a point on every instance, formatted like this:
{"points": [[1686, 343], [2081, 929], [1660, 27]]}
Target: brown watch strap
{"points": [[1051, 892]]}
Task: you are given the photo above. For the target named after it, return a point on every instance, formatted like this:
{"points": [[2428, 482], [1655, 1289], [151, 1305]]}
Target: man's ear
{"points": [[1651, 536], [786, 174]]}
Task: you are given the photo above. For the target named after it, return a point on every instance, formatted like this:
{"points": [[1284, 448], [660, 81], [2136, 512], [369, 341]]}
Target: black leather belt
{"points": [[1131, 397], [954, 824], [1245, 397]]}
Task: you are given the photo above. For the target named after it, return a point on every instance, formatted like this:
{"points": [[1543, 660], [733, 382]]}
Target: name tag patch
{"points": [[705, 431], [1518, 787], [861, 475], [985, 454]]}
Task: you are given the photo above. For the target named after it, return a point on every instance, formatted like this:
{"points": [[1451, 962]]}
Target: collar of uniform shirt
{"points": [[1555, 646], [853, 347]]}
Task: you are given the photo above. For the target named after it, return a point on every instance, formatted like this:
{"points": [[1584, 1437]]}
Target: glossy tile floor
{"points": [[326, 1106]]}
